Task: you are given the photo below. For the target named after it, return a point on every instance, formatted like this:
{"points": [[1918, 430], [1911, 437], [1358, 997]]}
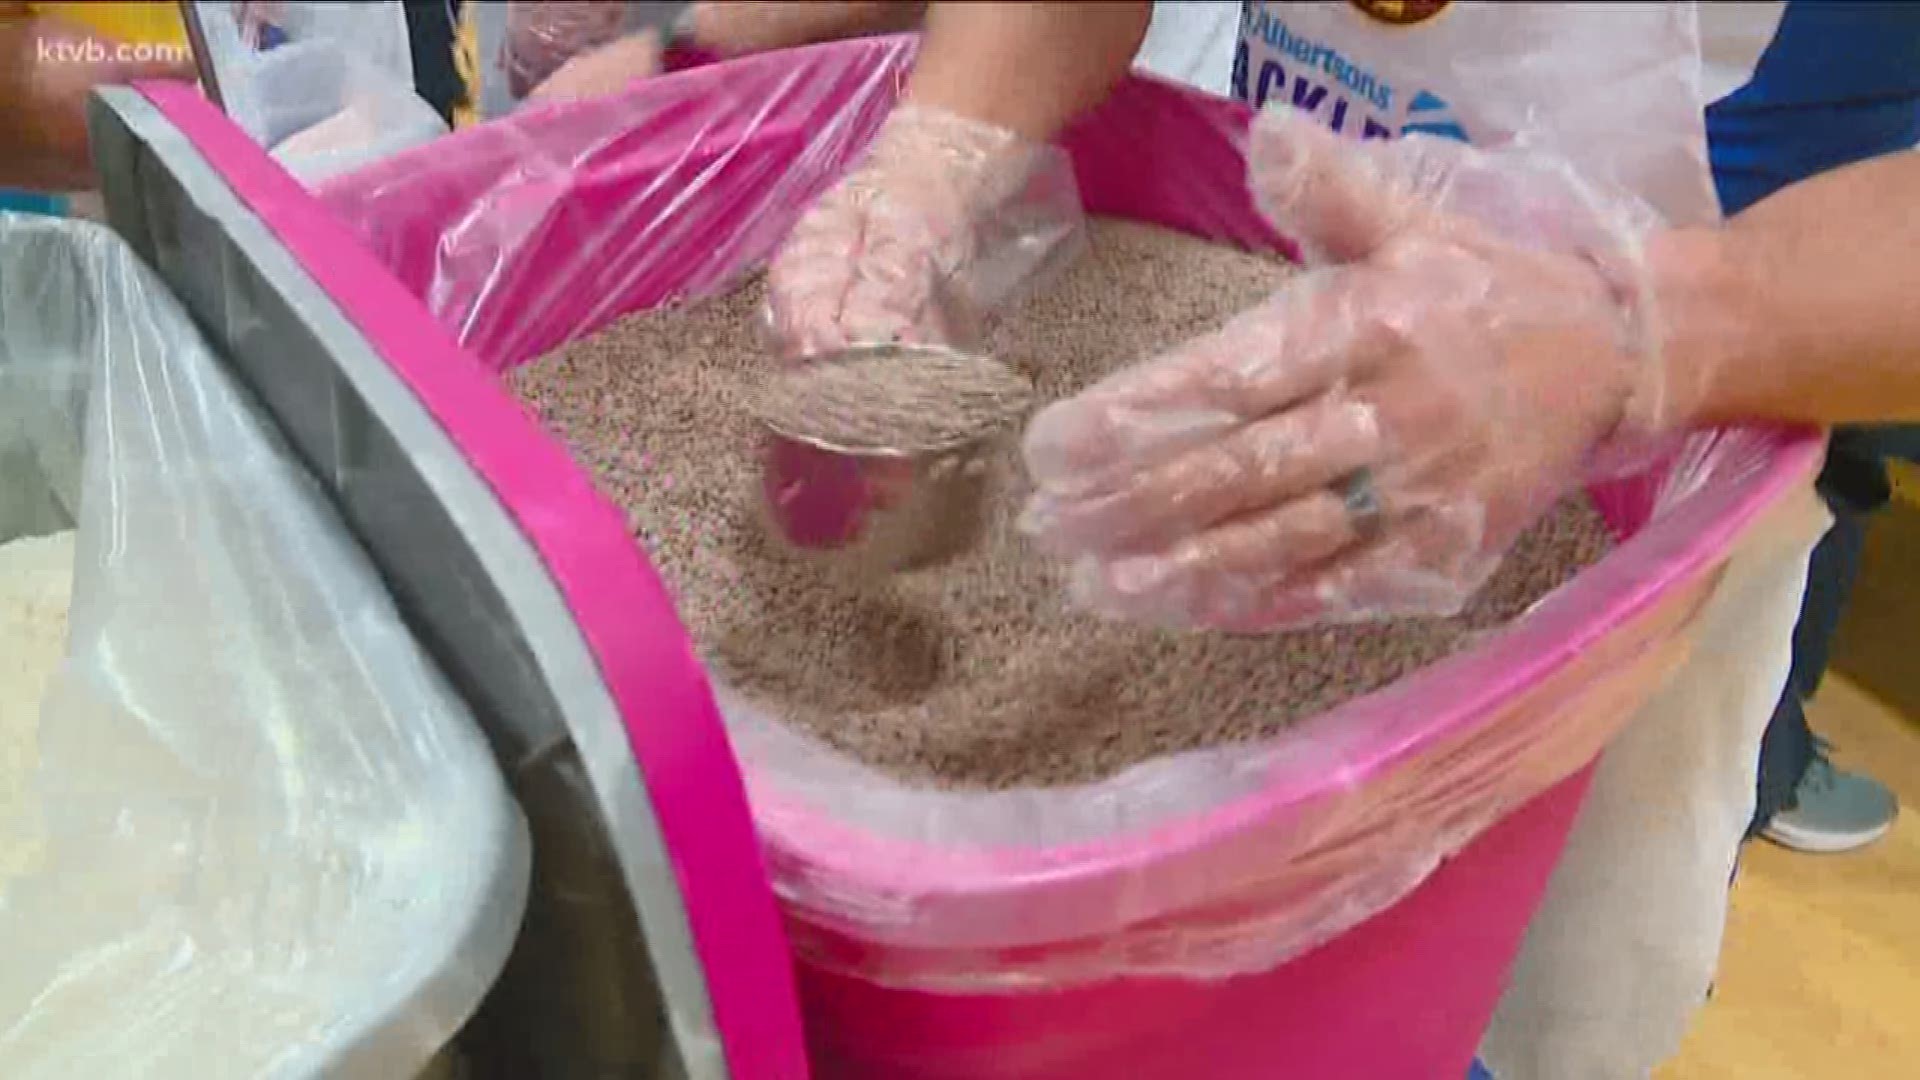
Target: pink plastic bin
{"points": [[1404, 994]]}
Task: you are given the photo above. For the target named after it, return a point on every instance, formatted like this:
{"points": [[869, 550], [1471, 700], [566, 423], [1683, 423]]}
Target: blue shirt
{"points": [[1838, 83]]}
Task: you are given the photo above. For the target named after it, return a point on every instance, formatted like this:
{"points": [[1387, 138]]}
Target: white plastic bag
{"points": [[266, 838], [325, 87]]}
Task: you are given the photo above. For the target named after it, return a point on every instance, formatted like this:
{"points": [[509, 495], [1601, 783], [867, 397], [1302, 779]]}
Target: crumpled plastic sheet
{"points": [[272, 840], [542, 228]]}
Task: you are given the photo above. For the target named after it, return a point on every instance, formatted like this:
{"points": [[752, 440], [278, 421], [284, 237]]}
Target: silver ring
{"points": [[1361, 498]]}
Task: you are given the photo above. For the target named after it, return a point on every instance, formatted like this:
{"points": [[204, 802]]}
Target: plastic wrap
{"points": [[540, 229], [272, 841], [326, 87]]}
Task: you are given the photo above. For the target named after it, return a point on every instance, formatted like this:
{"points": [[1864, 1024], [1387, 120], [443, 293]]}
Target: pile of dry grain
{"points": [[975, 673]]}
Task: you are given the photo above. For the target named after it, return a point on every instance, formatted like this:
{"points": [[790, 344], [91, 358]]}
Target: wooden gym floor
{"points": [[1820, 977]]}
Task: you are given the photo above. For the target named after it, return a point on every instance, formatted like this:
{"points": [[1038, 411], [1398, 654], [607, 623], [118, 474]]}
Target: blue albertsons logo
{"points": [[1428, 116], [1320, 80]]}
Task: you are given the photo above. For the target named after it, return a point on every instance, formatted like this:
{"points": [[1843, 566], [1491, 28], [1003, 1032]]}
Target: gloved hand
{"points": [[1369, 441], [945, 219], [604, 71], [736, 29], [542, 35]]}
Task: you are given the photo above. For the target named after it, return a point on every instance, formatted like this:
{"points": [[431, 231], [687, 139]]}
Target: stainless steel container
{"points": [[887, 509]]}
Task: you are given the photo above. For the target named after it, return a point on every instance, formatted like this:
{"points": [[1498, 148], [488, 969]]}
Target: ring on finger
{"points": [[1360, 496]]}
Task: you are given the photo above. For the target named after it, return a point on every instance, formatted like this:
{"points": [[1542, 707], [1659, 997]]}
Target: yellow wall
{"points": [[1906, 483], [466, 59], [153, 23]]}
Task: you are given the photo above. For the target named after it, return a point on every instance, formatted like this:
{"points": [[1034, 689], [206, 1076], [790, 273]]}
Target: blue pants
{"points": [[1478, 1072]]}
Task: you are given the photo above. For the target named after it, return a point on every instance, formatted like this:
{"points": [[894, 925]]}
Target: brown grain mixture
{"points": [[893, 401], [975, 673]]}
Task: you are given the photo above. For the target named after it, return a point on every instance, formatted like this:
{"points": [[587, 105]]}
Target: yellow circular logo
{"points": [[1401, 12]]}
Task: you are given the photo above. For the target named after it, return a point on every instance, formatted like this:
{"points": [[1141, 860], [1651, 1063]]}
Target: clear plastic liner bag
{"points": [[491, 219], [540, 229], [325, 87], [267, 839]]}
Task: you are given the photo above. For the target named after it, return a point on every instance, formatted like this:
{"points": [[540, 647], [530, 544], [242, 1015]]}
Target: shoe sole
{"points": [[1823, 843]]}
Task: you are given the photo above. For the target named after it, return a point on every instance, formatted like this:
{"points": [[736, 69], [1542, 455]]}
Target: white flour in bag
{"points": [[36, 585]]}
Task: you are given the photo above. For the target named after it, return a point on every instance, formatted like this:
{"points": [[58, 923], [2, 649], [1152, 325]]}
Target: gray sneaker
{"points": [[1833, 810]]}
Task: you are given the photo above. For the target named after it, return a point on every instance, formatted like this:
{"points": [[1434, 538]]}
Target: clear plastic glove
{"points": [[1368, 442], [737, 29], [605, 71], [945, 220], [542, 35]]}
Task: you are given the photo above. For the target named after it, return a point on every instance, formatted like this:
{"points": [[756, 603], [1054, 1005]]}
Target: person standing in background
{"points": [[433, 33], [1803, 111], [1802, 801]]}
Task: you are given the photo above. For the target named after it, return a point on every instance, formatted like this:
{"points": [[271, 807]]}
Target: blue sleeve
{"points": [[1839, 83]]}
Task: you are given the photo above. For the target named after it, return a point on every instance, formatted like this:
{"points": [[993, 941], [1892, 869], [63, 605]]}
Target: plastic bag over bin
{"points": [[265, 837], [528, 233], [648, 913], [325, 87]]}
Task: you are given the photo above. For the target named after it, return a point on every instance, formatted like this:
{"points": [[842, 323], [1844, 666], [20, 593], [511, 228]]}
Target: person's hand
{"points": [[43, 102], [604, 71], [543, 35], [944, 220], [1368, 442], [737, 29]]}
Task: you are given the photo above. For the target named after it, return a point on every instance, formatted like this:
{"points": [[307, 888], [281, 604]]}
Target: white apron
{"points": [[1192, 42], [1625, 944]]}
